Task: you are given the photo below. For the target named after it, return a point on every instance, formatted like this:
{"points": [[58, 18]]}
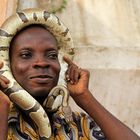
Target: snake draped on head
{"points": [[58, 97]]}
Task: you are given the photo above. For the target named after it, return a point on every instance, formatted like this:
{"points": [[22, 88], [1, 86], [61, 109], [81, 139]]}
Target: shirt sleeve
{"points": [[87, 127]]}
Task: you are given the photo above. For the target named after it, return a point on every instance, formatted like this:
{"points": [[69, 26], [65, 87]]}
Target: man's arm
{"points": [[77, 82], [4, 110], [111, 126], [4, 107]]}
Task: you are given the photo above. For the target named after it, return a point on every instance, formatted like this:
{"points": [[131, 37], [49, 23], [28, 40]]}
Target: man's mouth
{"points": [[41, 79], [41, 76]]}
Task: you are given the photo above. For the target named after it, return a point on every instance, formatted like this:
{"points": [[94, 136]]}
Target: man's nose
{"points": [[41, 63]]}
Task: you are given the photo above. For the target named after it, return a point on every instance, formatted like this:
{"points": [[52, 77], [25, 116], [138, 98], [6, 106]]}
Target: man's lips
{"points": [[41, 79], [41, 76]]}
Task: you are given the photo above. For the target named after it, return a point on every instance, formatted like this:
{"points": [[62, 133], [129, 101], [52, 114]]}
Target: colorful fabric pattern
{"points": [[81, 128]]}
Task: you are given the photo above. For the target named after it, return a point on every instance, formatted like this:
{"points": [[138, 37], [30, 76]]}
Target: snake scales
{"points": [[58, 97]]}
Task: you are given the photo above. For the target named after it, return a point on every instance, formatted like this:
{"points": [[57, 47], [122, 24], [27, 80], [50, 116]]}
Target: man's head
{"points": [[53, 33], [34, 60]]}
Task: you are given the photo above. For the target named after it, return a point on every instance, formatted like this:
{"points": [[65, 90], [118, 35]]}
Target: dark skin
{"points": [[35, 61], [40, 61]]}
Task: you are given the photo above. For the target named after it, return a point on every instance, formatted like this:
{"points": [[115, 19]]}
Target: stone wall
{"points": [[107, 40]]}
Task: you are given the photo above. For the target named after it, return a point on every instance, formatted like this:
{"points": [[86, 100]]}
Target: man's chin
{"points": [[40, 92]]}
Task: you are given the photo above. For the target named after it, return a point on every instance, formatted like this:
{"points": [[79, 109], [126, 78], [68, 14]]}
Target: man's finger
{"points": [[68, 60]]}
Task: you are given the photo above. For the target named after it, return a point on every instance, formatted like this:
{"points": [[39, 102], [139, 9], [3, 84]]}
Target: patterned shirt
{"points": [[81, 128]]}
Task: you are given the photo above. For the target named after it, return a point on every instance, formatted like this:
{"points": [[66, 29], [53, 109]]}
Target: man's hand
{"points": [[4, 100], [77, 79]]}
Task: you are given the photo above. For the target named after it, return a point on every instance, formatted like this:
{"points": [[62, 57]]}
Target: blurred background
{"points": [[106, 36]]}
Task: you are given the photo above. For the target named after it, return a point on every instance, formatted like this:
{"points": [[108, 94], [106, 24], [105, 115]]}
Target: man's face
{"points": [[34, 61]]}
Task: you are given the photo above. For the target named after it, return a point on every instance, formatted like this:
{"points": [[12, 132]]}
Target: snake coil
{"points": [[15, 92]]}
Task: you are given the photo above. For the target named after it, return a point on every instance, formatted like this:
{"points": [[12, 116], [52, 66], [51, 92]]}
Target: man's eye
{"points": [[53, 56], [25, 55]]}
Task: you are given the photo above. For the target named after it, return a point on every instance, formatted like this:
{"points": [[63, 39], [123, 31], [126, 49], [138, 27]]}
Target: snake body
{"points": [[58, 97]]}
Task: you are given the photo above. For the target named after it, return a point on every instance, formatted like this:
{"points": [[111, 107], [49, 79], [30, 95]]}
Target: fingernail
{"points": [[72, 82]]}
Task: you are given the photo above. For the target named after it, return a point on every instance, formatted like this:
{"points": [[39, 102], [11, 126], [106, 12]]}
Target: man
{"points": [[35, 66]]}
